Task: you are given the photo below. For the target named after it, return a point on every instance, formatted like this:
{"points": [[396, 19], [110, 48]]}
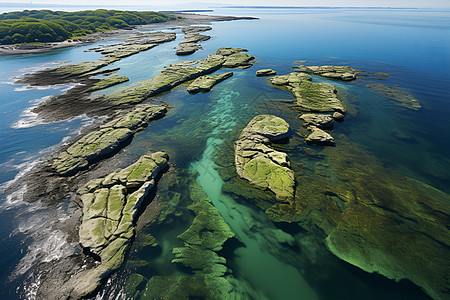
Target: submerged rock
{"points": [[320, 121], [319, 137], [110, 210], [107, 140], [261, 165], [311, 96], [335, 72], [376, 219], [205, 83], [265, 72], [401, 96], [202, 242]]}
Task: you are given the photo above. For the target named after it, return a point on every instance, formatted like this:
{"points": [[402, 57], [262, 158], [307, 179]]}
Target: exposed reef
{"points": [[110, 210], [205, 83], [334, 72], [311, 96], [265, 72], [178, 73], [71, 73], [401, 96], [261, 165], [192, 37], [111, 137]]}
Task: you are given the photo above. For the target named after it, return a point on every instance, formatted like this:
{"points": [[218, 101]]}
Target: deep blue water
{"points": [[410, 45]]}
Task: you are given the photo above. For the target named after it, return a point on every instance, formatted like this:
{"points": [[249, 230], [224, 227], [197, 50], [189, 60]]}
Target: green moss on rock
{"points": [[105, 141], [261, 165], [311, 96]]}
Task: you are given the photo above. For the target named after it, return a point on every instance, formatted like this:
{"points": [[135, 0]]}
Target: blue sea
{"points": [[412, 45]]}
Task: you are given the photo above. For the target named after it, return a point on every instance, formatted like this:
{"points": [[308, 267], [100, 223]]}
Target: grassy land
{"points": [[31, 26]]}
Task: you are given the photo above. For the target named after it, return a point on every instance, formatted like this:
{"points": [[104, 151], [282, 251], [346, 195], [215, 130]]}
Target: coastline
{"points": [[339, 209], [189, 19]]}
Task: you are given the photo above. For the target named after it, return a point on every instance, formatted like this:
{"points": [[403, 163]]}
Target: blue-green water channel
{"points": [[279, 262]]}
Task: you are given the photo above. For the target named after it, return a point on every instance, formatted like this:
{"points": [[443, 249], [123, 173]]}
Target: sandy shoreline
{"points": [[189, 19]]}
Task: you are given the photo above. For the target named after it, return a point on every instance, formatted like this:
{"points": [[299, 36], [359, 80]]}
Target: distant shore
{"points": [[188, 19]]}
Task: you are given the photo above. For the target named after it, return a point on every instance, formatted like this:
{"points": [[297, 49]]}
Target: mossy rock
{"points": [[311, 96]]}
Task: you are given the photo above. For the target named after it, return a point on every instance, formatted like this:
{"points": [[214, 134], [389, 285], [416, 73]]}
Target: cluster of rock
{"points": [[205, 83], [192, 37], [110, 209], [315, 97], [310, 96], [178, 73], [111, 53], [261, 165], [317, 124], [110, 138], [344, 73]]}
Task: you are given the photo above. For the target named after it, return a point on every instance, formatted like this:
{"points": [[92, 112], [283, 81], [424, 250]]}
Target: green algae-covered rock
{"points": [[401, 96], [311, 96], [320, 121], [109, 210], [205, 83], [376, 219], [335, 72], [190, 43], [261, 165], [107, 140], [108, 82], [178, 73], [265, 72], [132, 284], [319, 137], [203, 239], [109, 215]]}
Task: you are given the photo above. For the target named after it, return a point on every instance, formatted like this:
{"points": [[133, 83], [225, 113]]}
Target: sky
{"points": [[210, 3]]}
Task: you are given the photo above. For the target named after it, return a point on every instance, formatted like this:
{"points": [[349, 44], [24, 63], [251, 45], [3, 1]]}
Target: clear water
{"points": [[411, 45]]}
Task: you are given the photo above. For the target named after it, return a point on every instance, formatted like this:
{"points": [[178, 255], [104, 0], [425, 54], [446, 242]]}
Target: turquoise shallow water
{"points": [[412, 46]]}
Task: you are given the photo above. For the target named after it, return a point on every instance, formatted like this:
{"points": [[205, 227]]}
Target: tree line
{"points": [[31, 26]]}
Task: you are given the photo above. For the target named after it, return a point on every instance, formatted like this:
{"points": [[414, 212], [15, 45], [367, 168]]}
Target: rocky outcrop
{"points": [[334, 72], [205, 83], [191, 43], [311, 96], [319, 137], [110, 210], [111, 53], [111, 137], [320, 121], [261, 165], [398, 94], [265, 72], [195, 29], [107, 82], [177, 73]]}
